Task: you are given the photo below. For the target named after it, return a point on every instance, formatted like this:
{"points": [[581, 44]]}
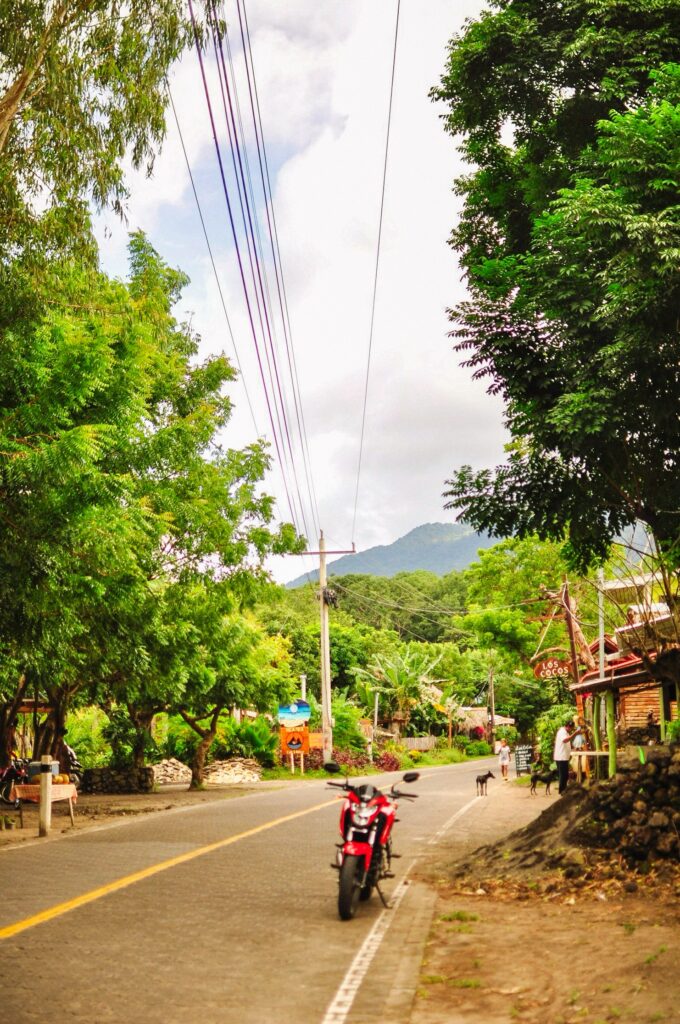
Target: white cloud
{"points": [[323, 73]]}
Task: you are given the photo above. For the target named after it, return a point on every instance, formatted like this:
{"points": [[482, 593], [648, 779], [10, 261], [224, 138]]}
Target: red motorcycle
{"points": [[365, 855]]}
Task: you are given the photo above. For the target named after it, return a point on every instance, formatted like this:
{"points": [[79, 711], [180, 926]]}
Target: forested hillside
{"points": [[435, 547]]}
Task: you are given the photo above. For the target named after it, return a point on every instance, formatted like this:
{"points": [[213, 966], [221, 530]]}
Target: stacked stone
{"points": [[638, 811], [171, 772], [234, 771], [117, 780]]}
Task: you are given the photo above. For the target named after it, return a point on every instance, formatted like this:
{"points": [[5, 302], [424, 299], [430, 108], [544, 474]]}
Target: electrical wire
{"points": [[276, 252], [212, 258], [239, 259], [375, 275]]}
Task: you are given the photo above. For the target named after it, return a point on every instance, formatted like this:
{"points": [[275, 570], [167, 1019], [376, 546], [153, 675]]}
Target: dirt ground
{"points": [[535, 947]]}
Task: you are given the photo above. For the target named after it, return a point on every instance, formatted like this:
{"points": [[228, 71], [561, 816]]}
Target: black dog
{"points": [[545, 777], [482, 781]]}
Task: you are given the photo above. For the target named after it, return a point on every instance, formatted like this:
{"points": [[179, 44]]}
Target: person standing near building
{"points": [[504, 758], [562, 752]]}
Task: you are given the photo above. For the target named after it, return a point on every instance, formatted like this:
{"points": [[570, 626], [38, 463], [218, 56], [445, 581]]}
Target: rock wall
{"points": [[117, 780], [637, 812]]}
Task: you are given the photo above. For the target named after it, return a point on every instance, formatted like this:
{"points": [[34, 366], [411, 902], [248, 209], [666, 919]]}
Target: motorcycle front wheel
{"points": [[350, 886]]}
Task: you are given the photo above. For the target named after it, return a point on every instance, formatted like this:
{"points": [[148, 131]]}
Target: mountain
{"points": [[437, 547]]}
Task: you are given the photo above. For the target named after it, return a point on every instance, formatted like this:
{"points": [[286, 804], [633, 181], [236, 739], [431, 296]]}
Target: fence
{"points": [[419, 742]]}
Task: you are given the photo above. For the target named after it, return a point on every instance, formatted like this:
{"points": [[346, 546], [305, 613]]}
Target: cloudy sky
{"points": [[323, 74]]}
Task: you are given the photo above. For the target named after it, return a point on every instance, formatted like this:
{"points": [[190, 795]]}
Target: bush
{"points": [[348, 761], [85, 735], [415, 756], [673, 731], [478, 748], [387, 762]]}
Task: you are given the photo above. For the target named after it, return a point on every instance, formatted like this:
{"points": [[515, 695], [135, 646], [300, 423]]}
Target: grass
{"points": [[433, 979], [653, 957], [459, 915], [464, 983], [628, 927]]}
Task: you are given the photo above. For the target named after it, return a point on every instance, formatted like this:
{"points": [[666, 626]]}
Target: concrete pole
{"points": [[303, 686], [326, 723], [492, 701], [45, 815]]}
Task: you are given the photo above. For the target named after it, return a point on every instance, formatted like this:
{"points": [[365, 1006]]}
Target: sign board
{"points": [[294, 715], [294, 741], [552, 668], [524, 756]]}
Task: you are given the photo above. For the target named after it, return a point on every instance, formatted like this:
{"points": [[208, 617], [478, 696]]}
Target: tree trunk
{"points": [[207, 736], [8, 718], [10, 102], [141, 719]]}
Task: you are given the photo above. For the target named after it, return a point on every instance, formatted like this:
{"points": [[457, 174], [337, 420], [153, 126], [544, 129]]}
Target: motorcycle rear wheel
{"points": [[350, 886], [5, 792]]}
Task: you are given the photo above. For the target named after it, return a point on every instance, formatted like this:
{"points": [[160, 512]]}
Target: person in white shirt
{"points": [[562, 752]]}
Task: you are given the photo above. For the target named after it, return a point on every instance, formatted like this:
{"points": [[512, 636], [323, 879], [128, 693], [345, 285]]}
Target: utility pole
{"points": [[492, 702], [325, 647], [566, 602], [326, 720]]}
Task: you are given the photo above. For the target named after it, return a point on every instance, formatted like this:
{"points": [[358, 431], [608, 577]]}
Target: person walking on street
{"points": [[504, 758], [562, 752]]}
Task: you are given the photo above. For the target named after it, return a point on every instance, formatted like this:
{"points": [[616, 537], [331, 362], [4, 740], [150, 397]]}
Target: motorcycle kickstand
{"points": [[386, 905]]}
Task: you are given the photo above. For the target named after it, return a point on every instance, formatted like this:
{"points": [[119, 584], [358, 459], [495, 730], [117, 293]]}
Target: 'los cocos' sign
{"points": [[552, 668]]}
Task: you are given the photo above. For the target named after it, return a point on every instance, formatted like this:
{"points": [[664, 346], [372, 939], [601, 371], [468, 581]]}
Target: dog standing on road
{"points": [[482, 781], [545, 777]]}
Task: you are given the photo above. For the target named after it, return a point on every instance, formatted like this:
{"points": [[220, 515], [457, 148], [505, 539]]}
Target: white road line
{"points": [[454, 818], [351, 983], [343, 1000]]}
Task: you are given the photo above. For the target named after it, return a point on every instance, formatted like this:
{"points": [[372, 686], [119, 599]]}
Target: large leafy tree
{"points": [[569, 238], [116, 491], [82, 86]]}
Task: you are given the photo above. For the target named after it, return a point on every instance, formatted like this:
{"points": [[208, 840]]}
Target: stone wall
{"points": [[117, 780]]}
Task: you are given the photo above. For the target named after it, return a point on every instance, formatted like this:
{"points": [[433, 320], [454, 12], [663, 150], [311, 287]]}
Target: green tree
{"points": [[115, 491], [526, 84], [569, 237], [400, 679], [82, 87]]}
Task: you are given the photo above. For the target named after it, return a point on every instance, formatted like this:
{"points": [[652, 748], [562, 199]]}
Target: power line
{"points": [[276, 253], [212, 258], [375, 275], [238, 256]]}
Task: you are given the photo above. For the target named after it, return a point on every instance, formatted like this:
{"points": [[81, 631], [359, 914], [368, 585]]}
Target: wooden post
{"points": [[611, 732], [597, 732], [302, 763], [45, 816], [292, 763]]}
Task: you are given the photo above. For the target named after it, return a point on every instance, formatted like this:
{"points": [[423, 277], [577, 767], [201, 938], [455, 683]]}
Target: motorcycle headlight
{"points": [[362, 816]]}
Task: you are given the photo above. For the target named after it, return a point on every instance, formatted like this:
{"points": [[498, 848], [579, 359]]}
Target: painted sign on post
{"points": [[294, 727], [552, 668]]}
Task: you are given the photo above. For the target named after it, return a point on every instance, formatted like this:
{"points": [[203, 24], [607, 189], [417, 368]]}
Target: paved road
{"points": [[245, 932]]}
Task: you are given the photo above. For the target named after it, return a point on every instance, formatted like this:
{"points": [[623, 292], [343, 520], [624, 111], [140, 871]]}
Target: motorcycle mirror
{"points": [[411, 776], [331, 767]]}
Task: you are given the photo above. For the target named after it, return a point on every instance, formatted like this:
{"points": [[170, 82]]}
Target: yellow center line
{"points": [[138, 876]]}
